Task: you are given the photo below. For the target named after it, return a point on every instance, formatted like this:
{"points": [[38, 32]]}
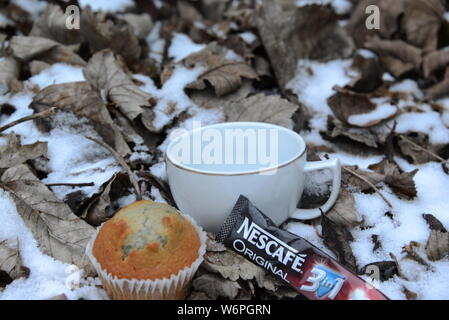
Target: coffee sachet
{"points": [[306, 268]]}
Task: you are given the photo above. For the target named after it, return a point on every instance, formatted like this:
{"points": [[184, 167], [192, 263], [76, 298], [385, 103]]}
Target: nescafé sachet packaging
{"points": [[306, 268]]}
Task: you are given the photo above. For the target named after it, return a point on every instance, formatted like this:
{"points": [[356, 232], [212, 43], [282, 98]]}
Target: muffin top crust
{"points": [[146, 240]]}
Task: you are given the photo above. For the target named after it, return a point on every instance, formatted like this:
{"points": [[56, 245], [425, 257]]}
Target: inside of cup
{"points": [[233, 148]]}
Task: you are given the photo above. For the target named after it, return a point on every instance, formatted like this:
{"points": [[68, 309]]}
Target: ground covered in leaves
{"points": [[101, 102]]}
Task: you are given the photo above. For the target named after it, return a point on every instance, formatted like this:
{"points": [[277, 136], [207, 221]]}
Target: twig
{"points": [[412, 254], [398, 267], [123, 163], [422, 148], [370, 184], [43, 114], [86, 184]]}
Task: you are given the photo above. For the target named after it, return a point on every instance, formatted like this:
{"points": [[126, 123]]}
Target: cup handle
{"points": [[334, 165]]}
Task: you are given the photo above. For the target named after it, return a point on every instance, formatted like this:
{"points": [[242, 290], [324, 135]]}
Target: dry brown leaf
{"points": [[158, 183], [422, 21], [104, 72], [353, 181], [28, 48], [389, 19], [234, 267], [261, 108], [345, 103], [411, 253], [11, 261], [58, 232], [363, 137], [61, 296], [82, 99], [215, 286], [434, 223], [290, 33], [412, 152], [435, 60], [396, 67], [224, 75], [344, 212], [198, 295], [99, 209], [401, 183], [9, 70], [438, 90], [397, 55], [104, 33], [37, 66], [209, 100], [370, 70], [410, 295], [51, 24], [13, 153], [437, 246], [141, 24], [338, 239]]}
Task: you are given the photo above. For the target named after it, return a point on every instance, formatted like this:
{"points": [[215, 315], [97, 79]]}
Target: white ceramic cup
{"points": [[206, 188]]}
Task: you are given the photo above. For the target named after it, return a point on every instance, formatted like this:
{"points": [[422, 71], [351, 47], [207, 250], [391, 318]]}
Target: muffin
{"points": [[147, 250]]}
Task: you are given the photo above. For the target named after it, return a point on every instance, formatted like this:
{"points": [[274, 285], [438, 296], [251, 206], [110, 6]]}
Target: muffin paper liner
{"points": [[175, 287]]}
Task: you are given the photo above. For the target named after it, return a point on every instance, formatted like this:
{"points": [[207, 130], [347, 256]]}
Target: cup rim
{"points": [[174, 162]]}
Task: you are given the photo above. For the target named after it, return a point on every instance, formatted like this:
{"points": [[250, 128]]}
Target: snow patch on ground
{"points": [[107, 5], [73, 158], [429, 122], [56, 74], [155, 43], [340, 6], [182, 46], [313, 85], [48, 276], [384, 110]]}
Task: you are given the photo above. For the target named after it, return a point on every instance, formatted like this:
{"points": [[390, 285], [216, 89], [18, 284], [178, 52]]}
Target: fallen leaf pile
{"points": [[250, 52]]}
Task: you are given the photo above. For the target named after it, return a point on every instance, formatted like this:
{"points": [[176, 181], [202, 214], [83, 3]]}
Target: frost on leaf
{"points": [[58, 232], [222, 74]]}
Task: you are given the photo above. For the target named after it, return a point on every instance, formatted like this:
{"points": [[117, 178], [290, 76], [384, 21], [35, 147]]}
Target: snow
{"points": [[407, 86], [171, 95], [248, 37], [48, 277], [56, 74], [384, 110], [182, 46], [155, 193], [429, 122], [33, 7], [387, 77], [340, 6], [4, 21], [313, 85], [158, 170], [407, 225], [72, 157], [367, 54], [155, 42], [107, 5]]}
